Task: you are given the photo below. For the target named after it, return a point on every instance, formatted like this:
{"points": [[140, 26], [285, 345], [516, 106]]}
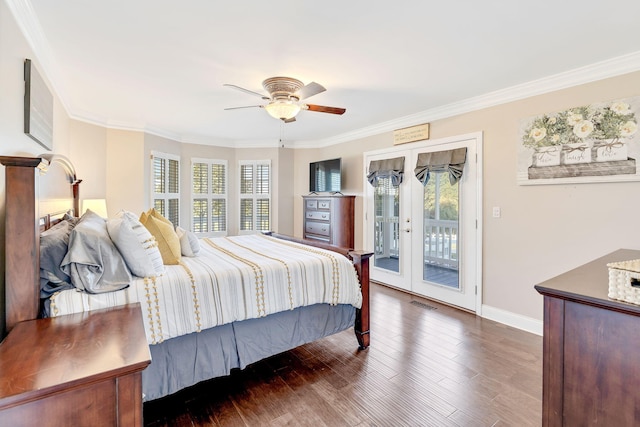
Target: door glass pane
{"points": [[387, 234], [441, 245]]}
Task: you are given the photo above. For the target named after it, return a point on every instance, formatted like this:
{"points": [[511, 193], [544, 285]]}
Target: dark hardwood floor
{"points": [[428, 365]]}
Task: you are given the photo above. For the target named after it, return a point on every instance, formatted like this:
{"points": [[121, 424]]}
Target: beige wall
{"points": [[88, 153], [544, 229], [124, 172], [285, 201]]}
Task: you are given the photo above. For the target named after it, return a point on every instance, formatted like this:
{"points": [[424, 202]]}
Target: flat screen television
{"points": [[325, 176]]}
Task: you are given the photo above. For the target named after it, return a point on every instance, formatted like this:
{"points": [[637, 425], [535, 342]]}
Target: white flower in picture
{"points": [[583, 128], [629, 128], [538, 134], [621, 108], [574, 118]]}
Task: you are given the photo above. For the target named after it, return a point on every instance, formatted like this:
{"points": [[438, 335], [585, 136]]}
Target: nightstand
{"points": [[75, 370]]}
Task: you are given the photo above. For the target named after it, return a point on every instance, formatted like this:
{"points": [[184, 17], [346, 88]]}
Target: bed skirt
{"points": [[189, 359]]}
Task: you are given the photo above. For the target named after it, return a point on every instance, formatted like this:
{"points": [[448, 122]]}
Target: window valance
{"points": [[387, 168], [451, 161]]}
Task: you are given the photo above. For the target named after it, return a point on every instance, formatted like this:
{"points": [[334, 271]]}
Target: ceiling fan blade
{"points": [[323, 109], [250, 92], [246, 106], [309, 90]]}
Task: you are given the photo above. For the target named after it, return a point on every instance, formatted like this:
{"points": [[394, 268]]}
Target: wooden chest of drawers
{"points": [[591, 353], [330, 219]]}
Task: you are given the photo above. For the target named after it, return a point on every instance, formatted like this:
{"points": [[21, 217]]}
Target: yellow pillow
{"points": [[154, 213], [168, 240]]}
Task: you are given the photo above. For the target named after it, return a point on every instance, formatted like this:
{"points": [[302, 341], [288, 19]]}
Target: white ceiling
{"points": [[160, 65]]}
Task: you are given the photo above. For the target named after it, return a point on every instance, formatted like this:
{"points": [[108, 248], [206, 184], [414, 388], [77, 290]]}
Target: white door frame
{"points": [[369, 216]]}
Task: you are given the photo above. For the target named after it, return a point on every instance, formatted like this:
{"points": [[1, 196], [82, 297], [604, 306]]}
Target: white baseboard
{"points": [[512, 319]]}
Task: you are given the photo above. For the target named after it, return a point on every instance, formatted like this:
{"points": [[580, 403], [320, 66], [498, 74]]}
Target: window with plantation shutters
{"points": [[165, 182], [255, 196], [209, 196]]}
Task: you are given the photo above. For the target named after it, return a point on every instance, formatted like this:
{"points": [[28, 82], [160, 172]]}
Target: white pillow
{"points": [[136, 244], [189, 243]]}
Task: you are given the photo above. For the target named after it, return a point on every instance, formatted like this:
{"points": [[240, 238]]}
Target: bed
{"points": [[189, 346]]}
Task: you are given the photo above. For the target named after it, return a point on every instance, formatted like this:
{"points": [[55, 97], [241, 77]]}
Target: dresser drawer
{"points": [[312, 204], [324, 204], [319, 228], [319, 215]]}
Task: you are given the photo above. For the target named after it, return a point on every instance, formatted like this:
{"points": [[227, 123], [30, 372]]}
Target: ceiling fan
{"points": [[285, 94]]}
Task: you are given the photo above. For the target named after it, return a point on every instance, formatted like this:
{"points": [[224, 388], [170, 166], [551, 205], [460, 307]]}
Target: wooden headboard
{"points": [[23, 223]]}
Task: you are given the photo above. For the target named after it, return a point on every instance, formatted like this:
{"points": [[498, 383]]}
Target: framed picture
{"points": [[592, 143], [38, 107]]}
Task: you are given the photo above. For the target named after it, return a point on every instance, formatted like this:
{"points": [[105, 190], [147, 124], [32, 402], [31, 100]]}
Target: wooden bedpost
{"points": [[22, 272], [361, 327], [22, 232]]}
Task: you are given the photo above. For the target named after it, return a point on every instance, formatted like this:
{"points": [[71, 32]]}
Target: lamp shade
{"points": [[282, 109], [98, 206]]}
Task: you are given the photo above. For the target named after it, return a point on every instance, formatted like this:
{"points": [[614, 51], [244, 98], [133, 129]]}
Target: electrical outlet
{"points": [[496, 212]]}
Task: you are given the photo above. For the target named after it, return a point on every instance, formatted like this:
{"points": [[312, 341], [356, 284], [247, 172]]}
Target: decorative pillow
{"points": [[168, 241], [189, 243], [93, 262], [72, 219], [154, 213], [54, 243], [136, 245]]}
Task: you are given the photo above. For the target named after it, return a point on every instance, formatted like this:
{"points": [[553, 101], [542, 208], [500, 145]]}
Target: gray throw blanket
{"points": [[93, 262]]}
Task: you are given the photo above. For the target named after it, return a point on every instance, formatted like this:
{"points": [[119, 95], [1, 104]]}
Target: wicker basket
{"points": [[624, 281]]}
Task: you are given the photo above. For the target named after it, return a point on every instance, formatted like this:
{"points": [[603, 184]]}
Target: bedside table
{"points": [[80, 369]]}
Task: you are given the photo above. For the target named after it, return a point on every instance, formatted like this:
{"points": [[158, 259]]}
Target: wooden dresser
{"points": [[82, 369], [591, 362], [330, 219]]}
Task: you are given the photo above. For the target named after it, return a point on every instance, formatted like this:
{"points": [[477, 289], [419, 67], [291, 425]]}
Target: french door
{"points": [[425, 238]]}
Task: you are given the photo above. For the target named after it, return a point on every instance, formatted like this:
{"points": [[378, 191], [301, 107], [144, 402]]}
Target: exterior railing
{"points": [[440, 241], [387, 237]]}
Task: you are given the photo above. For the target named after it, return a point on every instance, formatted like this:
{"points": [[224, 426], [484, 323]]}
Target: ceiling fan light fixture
{"points": [[282, 109]]}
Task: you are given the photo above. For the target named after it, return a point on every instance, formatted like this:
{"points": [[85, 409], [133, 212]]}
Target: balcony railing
{"points": [[440, 241]]}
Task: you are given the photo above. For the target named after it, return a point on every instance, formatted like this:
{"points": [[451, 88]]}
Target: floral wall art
{"points": [[598, 142]]}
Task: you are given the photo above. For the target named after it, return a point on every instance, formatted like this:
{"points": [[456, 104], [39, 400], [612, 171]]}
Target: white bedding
{"points": [[234, 278]]}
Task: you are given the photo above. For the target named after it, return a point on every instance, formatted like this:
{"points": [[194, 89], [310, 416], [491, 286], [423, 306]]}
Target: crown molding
{"points": [[598, 71]]}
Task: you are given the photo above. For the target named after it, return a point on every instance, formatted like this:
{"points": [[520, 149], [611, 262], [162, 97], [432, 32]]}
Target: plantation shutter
{"points": [[166, 186], [209, 200], [255, 196]]}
